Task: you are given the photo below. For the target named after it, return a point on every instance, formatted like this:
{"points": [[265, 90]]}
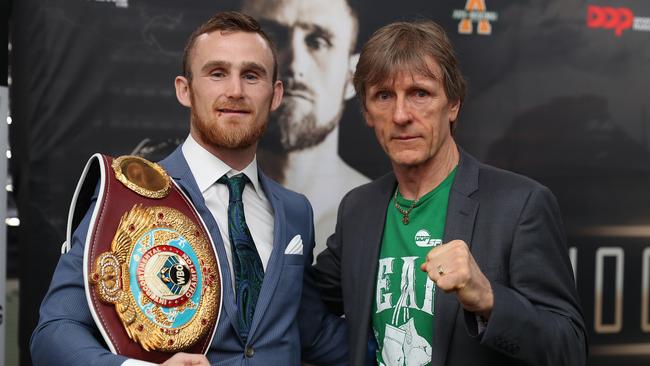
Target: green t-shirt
{"points": [[402, 313]]}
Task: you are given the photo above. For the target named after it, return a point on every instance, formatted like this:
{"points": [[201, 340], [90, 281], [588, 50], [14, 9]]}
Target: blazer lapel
{"points": [[374, 220], [274, 266], [461, 214], [176, 166]]}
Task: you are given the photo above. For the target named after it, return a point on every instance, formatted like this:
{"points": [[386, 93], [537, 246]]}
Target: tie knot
{"points": [[235, 185]]}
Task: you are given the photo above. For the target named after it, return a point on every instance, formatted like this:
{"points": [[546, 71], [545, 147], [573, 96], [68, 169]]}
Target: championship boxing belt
{"points": [[151, 274]]}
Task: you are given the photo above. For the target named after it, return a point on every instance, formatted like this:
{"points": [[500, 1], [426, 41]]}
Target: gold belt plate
{"points": [[162, 277]]}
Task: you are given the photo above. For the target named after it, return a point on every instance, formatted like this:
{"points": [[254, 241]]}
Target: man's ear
{"points": [[278, 91], [349, 86], [183, 91], [454, 107]]}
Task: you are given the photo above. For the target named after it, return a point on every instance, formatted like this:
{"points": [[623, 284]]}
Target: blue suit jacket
{"points": [[290, 321]]}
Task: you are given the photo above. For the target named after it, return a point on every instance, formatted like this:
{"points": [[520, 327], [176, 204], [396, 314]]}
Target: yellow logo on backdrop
{"points": [[475, 12]]}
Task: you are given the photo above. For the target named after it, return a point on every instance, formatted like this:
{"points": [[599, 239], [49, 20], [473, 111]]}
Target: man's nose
{"points": [[234, 88], [401, 113], [295, 55]]}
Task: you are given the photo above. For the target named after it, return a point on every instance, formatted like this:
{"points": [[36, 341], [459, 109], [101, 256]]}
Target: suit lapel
{"points": [[461, 214], [374, 220], [176, 166], [274, 266]]}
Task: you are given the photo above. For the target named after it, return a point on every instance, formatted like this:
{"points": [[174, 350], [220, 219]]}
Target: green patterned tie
{"points": [[246, 262]]}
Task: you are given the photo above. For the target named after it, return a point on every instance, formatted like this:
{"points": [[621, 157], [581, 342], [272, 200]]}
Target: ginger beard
{"points": [[231, 132]]}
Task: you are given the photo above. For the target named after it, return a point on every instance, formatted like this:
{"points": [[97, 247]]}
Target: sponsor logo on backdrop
{"points": [[475, 17], [118, 3], [617, 19]]}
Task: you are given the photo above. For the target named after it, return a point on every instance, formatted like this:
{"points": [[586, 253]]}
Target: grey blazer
{"points": [[513, 227]]}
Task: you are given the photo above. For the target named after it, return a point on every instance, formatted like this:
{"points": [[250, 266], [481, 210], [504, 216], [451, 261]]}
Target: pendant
{"points": [[405, 219]]}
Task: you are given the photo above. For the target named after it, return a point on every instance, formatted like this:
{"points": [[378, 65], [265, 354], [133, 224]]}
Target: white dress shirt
{"points": [[207, 169]]}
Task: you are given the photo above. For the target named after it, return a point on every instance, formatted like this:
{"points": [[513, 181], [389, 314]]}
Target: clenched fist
{"points": [[453, 268]]}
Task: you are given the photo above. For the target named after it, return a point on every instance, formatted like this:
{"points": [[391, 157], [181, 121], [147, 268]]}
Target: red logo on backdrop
{"points": [[607, 17]]}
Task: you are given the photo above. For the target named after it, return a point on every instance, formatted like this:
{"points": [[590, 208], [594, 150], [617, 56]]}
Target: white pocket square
{"points": [[294, 246]]}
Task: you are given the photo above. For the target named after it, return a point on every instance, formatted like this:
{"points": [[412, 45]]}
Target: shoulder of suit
{"points": [[492, 178], [372, 190], [283, 193]]}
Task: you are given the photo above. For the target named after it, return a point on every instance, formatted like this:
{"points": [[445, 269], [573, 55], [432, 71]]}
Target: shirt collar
{"points": [[207, 168]]}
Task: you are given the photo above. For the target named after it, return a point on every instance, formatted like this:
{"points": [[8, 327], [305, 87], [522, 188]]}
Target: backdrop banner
{"points": [[558, 91]]}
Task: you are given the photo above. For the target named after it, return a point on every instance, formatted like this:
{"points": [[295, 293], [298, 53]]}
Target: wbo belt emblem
{"points": [[166, 275], [160, 273]]}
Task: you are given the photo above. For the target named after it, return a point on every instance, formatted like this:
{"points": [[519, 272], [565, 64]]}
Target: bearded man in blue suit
{"points": [[231, 85]]}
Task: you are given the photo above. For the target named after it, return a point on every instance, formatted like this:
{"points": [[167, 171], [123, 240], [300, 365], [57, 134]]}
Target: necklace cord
{"points": [[405, 212]]}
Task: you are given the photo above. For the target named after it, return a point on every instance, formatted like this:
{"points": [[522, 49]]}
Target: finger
{"points": [[445, 249], [434, 271], [187, 359], [199, 360], [432, 254], [449, 277], [451, 282], [455, 242], [423, 266]]}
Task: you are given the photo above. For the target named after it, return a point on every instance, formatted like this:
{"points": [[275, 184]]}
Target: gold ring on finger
{"points": [[441, 270]]}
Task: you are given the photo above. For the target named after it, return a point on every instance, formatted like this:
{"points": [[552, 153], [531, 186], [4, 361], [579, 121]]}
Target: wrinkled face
{"points": [[231, 92], [411, 115], [314, 40]]}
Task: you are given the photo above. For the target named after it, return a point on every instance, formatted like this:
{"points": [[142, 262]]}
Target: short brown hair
{"points": [[405, 45], [227, 21]]}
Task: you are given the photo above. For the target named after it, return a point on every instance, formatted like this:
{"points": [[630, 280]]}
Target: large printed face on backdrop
{"points": [[231, 92], [411, 115], [315, 40]]}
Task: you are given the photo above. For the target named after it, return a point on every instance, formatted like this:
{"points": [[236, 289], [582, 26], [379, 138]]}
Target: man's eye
{"points": [[421, 93], [250, 76], [383, 95], [317, 42], [217, 74]]}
